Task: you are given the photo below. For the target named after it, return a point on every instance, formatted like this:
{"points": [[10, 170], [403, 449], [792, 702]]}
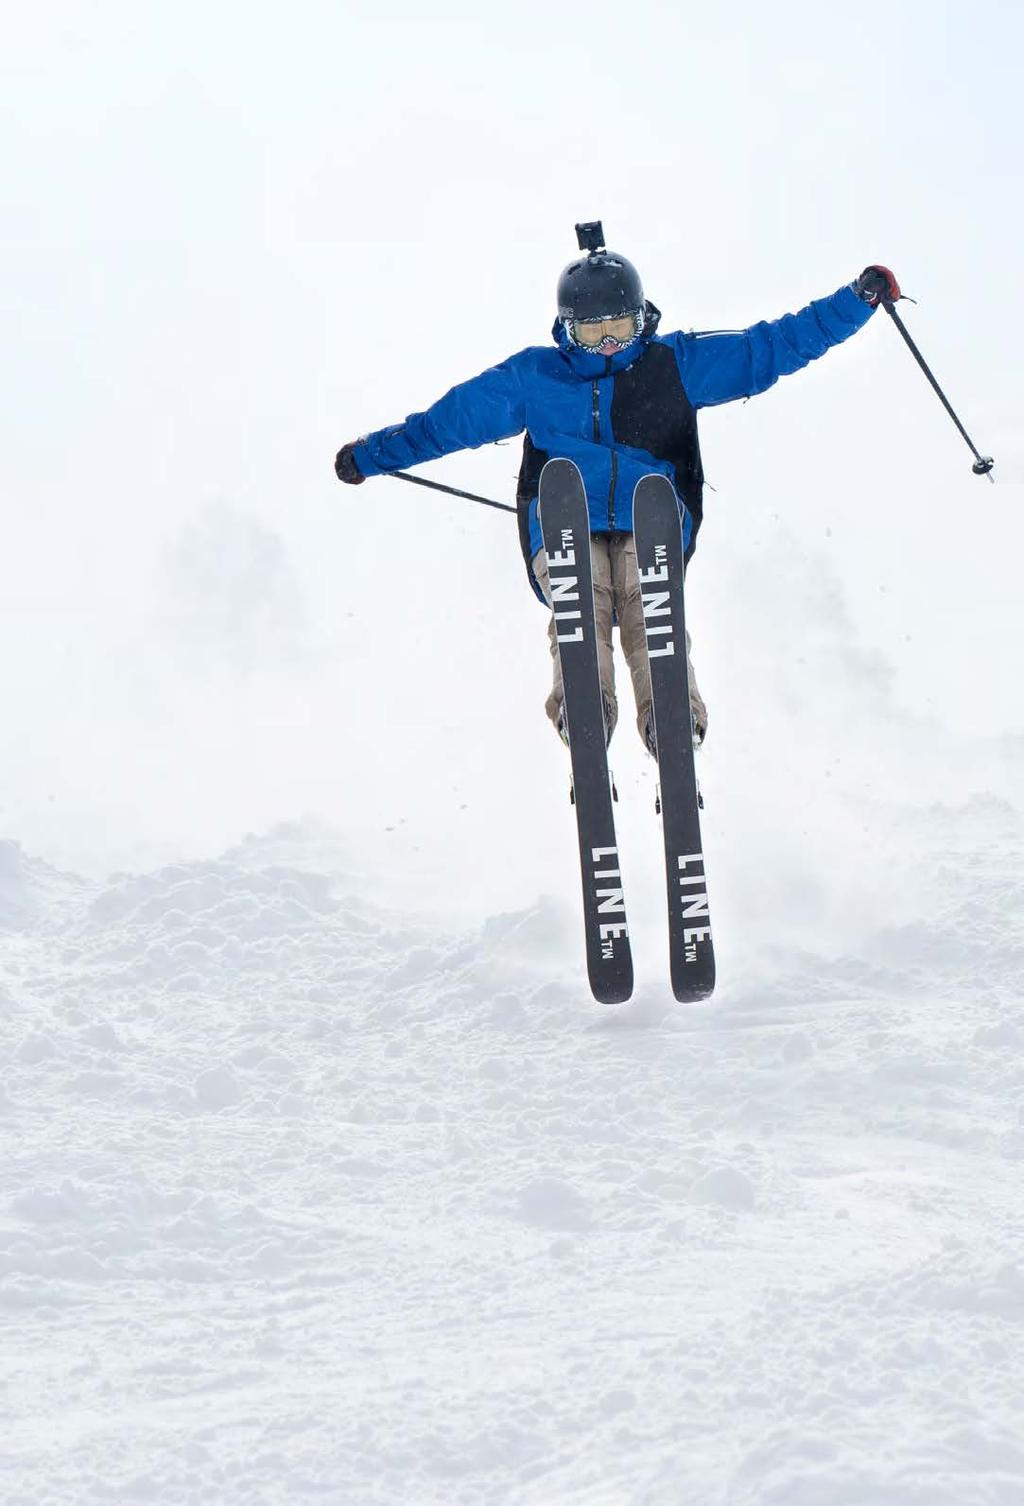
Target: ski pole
{"points": [[982, 463], [452, 491]]}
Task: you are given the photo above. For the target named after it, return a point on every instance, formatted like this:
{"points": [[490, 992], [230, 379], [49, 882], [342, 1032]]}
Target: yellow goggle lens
{"points": [[593, 331]]}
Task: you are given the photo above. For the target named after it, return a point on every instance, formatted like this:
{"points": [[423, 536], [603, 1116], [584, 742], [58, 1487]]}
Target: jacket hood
{"points": [[589, 364]]}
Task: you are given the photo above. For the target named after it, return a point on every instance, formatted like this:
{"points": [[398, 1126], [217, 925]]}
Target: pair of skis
{"points": [[565, 525]]}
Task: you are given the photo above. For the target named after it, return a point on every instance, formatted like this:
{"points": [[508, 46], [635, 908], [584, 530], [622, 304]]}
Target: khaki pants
{"points": [[616, 591]]}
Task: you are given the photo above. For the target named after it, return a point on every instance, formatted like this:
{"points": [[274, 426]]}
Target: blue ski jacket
{"points": [[617, 417]]}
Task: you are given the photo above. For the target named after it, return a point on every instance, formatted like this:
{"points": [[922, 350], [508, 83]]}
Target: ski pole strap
{"points": [[983, 463], [452, 491]]}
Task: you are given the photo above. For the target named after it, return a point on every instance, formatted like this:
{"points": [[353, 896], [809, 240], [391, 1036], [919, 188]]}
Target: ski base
{"points": [[659, 554], [565, 524]]}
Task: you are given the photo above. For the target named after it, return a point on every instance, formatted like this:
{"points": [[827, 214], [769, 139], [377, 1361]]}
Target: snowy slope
{"points": [[306, 1199]]}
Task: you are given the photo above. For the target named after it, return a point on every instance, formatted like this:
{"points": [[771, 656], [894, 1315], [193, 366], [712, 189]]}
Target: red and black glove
{"points": [[345, 467], [877, 285]]}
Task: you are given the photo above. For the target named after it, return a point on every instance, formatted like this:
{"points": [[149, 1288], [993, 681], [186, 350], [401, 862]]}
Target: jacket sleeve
{"points": [[487, 407], [717, 368]]}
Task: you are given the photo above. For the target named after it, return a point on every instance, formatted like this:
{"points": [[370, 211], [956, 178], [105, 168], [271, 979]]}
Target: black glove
{"points": [[345, 467], [877, 285]]}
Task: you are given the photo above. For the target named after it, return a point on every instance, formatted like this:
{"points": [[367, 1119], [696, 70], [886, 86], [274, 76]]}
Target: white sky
{"points": [[234, 237]]}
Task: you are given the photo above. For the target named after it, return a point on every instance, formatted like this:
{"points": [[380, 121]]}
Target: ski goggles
{"points": [[593, 332]]}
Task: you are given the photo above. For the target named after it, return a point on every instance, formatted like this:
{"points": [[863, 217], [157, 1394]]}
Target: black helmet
{"points": [[599, 285]]}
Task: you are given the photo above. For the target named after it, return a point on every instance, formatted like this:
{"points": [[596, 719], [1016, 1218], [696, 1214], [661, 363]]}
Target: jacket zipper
{"points": [[596, 410]]}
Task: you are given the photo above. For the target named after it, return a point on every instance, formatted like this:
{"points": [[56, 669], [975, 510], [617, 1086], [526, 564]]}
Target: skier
{"points": [[620, 401]]}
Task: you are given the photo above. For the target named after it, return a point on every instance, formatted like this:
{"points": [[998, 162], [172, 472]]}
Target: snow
{"points": [[309, 1198], [326, 1180]]}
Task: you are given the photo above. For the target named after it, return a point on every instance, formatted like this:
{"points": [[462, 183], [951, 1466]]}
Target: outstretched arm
{"points": [[717, 368], [488, 407]]}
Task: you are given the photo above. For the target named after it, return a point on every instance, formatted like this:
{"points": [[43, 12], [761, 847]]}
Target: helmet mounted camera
{"points": [[599, 284]]}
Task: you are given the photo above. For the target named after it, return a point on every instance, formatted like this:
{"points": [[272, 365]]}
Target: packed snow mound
{"points": [[951, 882], [310, 1198], [31, 889]]}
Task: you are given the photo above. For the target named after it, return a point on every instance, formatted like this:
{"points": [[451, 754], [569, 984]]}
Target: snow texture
{"points": [[308, 1199]]}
